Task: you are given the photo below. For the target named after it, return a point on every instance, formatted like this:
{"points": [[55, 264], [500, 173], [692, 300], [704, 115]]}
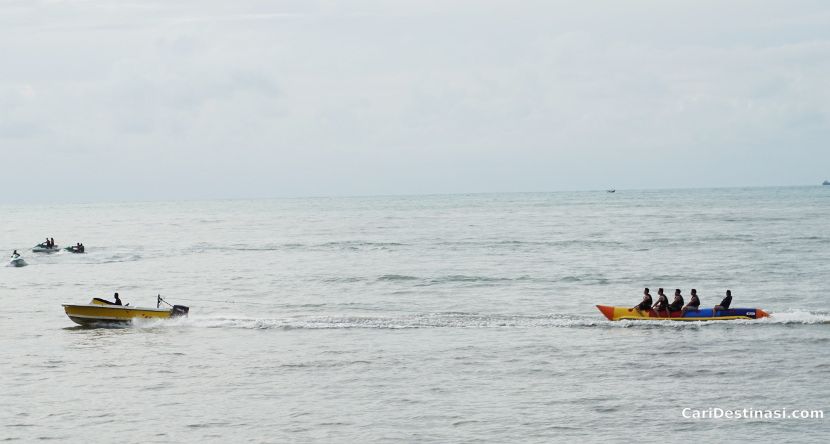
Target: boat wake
{"points": [[463, 320], [408, 321], [797, 316]]}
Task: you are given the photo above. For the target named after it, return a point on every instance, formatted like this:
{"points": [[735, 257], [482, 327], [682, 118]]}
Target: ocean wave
{"points": [[334, 245], [527, 243], [422, 281], [472, 279], [452, 279], [355, 245], [118, 258], [588, 279], [397, 277]]}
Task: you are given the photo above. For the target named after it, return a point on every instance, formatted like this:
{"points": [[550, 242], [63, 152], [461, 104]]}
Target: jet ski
{"points": [[100, 312], [75, 249], [43, 248], [704, 314], [17, 262]]}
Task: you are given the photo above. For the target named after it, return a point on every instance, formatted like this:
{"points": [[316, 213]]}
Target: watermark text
{"points": [[750, 413]]}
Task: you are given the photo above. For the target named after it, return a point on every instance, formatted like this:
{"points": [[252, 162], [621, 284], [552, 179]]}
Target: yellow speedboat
{"points": [[100, 311]]}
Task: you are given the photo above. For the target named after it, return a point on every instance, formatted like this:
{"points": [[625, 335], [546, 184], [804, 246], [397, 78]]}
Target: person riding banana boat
{"points": [[694, 303], [677, 302], [724, 304], [662, 304], [646, 302]]}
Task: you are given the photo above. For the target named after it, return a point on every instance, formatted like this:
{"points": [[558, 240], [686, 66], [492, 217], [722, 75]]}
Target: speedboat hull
{"points": [[99, 312], [705, 314]]}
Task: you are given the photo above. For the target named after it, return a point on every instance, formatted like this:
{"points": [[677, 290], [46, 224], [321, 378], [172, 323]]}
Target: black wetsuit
{"points": [[646, 304], [726, 302], [676, 304]]}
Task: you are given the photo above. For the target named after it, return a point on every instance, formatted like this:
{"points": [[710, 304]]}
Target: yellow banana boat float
{"points": [[103, 312], [704, 314]]}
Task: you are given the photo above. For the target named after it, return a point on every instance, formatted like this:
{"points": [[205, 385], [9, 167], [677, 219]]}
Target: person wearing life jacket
{"points": [[694, 303], [646, 303], [677, 302], [662, 303], [724, 304]]}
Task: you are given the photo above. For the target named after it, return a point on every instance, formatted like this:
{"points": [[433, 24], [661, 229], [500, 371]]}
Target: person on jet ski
{"points": [[677, 303], [662, 302], [52, 243], [15, 254], [81, 247], [646, 303], [724, 304], [694, 303]]}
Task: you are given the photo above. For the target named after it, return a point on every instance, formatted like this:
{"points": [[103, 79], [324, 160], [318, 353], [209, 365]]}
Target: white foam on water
{"points": [[461, 320], [797, 316], [392, 322]]}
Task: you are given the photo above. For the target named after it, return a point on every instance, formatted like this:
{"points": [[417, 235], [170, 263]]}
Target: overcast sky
{"points": [[108, 100]]}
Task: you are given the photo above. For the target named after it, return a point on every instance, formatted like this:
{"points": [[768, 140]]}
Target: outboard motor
{"points": [[179, 310]]}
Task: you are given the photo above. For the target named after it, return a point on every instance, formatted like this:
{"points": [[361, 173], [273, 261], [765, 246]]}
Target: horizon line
{"points": [[399, 195]]}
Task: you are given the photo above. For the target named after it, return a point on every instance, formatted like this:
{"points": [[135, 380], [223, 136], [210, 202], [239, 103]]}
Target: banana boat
{"points": [[100, 311], [704, 314]]}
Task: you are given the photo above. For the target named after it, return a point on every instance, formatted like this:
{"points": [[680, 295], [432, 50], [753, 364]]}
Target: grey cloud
{"points": [[288, 98]]}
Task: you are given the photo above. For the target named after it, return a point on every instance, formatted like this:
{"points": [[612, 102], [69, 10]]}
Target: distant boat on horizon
{"points": [[614, 191], [826, 182]]}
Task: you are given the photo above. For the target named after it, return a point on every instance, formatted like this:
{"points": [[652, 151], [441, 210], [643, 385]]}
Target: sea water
{"points": [[457, 318]]}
